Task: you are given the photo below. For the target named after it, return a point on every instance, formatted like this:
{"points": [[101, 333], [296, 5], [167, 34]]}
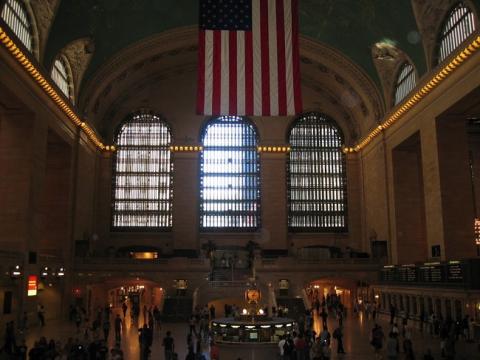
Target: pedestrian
{"points": [[316, 351], [338, 335], [168, 346], [393, 311], [281, 347], [78, 320], [10, 344], [376, 341], [214, 351], [106, 328], [324, 316], [124, 309], [118, 329], [392, 346], [41, 314], [300, 346], [192, 321]]}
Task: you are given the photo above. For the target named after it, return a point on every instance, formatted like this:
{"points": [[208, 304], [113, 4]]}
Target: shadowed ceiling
{"points": [[350, 26]]}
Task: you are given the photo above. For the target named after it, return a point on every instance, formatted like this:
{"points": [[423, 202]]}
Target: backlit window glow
{"points": [[405, 82], [229, 184], [458, 26], [60, 76], [143, 168], [316, 175], [15, 15]]}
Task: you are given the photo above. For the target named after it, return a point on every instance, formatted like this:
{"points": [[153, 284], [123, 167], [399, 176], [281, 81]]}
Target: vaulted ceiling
{"points": [[120, 29], [351, 26]]}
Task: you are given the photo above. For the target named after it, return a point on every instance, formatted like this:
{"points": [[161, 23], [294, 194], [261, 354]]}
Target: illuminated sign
{"points": [[32, 285], [283, 284], [477, 231]]}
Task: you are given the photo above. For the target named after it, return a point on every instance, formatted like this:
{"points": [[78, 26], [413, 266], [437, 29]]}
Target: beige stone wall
{"points": [[444, 158], [174, 100]]}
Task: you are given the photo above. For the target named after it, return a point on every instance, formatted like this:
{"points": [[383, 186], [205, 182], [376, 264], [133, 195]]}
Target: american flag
{"points": [[248, 58]]}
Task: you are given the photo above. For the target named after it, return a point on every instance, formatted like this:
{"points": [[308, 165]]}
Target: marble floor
{"points": [[356, 341]]}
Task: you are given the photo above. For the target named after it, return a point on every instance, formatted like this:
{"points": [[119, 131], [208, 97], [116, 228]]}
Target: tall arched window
{"points": [[458, 25], [229, 181], [61, 76], [406, 81], [317, 197], [15, 15], [142, 190]]}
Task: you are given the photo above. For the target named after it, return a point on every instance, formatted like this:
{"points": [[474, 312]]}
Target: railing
{"points": [[118, 260], [235, 283], [340, 261]]}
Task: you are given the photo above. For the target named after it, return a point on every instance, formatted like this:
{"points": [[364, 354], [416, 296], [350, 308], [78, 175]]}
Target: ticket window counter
{"points": [[247, 333]]}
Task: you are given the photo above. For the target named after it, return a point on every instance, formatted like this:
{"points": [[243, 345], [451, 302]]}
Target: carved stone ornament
{"points": [[44, 11], [79, 53], [388, 59], [429, 15]]}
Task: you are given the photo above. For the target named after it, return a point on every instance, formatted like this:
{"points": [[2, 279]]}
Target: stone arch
{"points": [[329, 79]]}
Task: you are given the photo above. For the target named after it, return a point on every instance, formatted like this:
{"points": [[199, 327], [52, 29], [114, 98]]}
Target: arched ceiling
{"points": [[350, 26]]}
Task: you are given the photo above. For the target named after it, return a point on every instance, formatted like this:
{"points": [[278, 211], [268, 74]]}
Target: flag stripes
{"points": [[253, 72]]}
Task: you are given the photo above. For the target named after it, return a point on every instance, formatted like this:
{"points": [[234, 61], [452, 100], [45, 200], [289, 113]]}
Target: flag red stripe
{"points": [[265, 57], [233, 72], [201, 73], [248, 73], [296, 59], [281, 70], [217, 72]]}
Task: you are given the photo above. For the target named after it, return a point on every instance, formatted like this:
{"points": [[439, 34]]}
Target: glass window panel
{"points": [[60, 76], [459, 25], [406, 81], [15, 15], [229, 184], [143, 168], [316, 176]]}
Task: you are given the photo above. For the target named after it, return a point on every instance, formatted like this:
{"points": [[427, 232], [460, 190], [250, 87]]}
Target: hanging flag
{"points": [[248, 58]]}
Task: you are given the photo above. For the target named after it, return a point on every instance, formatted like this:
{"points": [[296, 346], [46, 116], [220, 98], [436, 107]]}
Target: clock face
{"points": [[252, 295]]}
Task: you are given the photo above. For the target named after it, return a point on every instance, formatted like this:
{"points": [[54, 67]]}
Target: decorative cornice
{"points": [[419, 95], [49, 90], [309, 47]]}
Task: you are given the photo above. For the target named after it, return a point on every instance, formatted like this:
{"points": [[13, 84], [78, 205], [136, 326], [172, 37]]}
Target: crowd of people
{"points": [[93, 334]]}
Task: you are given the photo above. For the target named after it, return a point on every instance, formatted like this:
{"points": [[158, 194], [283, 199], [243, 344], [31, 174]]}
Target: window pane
{"points": [[142, 190], [60, 76], [230, 185], [458, 26], [316, 171], [405, 82], [15, 15]]}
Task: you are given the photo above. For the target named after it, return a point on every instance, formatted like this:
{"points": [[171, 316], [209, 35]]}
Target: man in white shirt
{"points": [[281, 344]]}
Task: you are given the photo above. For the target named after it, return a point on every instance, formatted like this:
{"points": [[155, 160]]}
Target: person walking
{"points": [[338, 335], [41, 314], [392, 346], [168, 346], [118, 328], [106, 328], [393, 312], [300, 346], [316, 351], [281, 347], [324, 317], [377, 338], [124, 309]]}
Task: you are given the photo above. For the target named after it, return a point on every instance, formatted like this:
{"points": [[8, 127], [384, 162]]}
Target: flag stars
{"points": [[225, 14]]}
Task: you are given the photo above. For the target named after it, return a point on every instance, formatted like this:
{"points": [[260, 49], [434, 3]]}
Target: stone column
{"points": [[23, 140], [274, 201], [186, 201]]}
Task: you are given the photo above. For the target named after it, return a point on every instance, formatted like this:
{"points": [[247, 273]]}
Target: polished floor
{"points": [[357, 332]]}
